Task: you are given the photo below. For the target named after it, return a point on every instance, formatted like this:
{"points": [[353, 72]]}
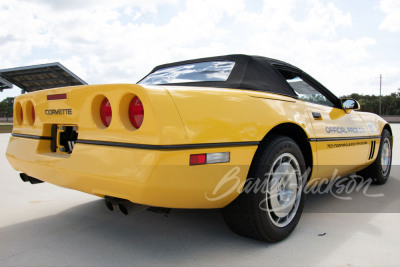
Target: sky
{"points": [[343, 44]]}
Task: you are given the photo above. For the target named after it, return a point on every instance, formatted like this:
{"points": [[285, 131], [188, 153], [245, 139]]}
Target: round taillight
{"points": [[105, 112], [33, 115], [136, 112]]}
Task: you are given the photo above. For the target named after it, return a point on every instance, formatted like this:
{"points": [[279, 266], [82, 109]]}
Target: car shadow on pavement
{"points": [[90, 234], [354, 195]]}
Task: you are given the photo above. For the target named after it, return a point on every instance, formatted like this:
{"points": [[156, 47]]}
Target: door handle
{"points": [[317, 115]]}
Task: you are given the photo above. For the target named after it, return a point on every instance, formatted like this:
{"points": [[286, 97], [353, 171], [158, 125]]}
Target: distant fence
{"points": [[391, 118], [6, 119]]}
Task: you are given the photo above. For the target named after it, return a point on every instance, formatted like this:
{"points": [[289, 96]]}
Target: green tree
{"points": [[370, 103], [6, 107]]}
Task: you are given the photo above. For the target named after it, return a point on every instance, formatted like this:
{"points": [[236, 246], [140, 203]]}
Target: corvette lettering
{"points": [[65, 111]]}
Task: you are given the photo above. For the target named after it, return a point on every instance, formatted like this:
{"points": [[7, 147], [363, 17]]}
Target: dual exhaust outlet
{"points": [[125, 206], [27, 178]]}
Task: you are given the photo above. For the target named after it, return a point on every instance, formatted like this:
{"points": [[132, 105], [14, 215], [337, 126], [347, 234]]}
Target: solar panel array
{"points": [[5, 84], [39, 77]]}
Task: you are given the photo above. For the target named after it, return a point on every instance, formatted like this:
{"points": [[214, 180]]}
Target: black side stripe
{"points": [[343, 138], [188, 146], [31, 136], [143, 146], [159, 147]]}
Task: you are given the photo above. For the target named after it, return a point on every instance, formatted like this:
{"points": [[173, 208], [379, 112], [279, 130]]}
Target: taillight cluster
{"points": [[28, 110], [131, 112], [134, 111]]}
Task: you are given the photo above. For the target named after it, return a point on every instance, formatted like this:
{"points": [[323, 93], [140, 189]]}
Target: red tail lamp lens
{"points": [[33, 115], [136, 112], [22, 114], [105, 112]]}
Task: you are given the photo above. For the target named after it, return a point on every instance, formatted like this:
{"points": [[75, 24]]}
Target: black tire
{"points": [[259, 214], [379, 170]]}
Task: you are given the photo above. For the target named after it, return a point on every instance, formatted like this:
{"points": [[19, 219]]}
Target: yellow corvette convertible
{"points": [[242, 133]]}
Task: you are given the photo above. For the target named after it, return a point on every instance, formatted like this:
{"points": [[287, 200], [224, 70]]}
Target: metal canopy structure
{"points": [[5, 84], [38, 77]]}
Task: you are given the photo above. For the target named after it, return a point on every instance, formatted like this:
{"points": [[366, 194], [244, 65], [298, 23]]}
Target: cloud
{"points": [[121, 41], [392, 20]]}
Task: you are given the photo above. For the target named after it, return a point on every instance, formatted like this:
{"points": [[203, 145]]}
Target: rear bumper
{"points": [[156, 177]]}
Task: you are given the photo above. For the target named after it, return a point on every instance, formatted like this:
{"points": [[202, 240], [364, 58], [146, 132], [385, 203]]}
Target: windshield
{"points": [[196, 72]]}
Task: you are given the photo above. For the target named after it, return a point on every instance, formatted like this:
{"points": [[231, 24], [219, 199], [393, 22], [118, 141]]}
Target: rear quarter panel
{"points": [[231, 115]]}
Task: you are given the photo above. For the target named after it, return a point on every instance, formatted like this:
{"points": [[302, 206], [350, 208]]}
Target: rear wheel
{"points": [[379, 170], [270, 212]]}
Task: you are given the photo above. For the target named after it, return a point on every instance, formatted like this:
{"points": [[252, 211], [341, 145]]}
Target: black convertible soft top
{"points": [[252, 73]]}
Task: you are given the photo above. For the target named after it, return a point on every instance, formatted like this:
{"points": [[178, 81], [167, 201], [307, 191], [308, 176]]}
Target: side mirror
{"points": [[349, 103]]}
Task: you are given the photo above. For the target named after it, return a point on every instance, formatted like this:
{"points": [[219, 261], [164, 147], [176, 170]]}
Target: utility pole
{"points": [[380, 94]]}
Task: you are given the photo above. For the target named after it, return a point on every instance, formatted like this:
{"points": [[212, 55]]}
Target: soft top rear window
{"points": [[196, 72]]}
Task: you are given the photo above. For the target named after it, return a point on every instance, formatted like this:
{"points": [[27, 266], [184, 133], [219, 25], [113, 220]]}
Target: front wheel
{"points": [[272, 200]]}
